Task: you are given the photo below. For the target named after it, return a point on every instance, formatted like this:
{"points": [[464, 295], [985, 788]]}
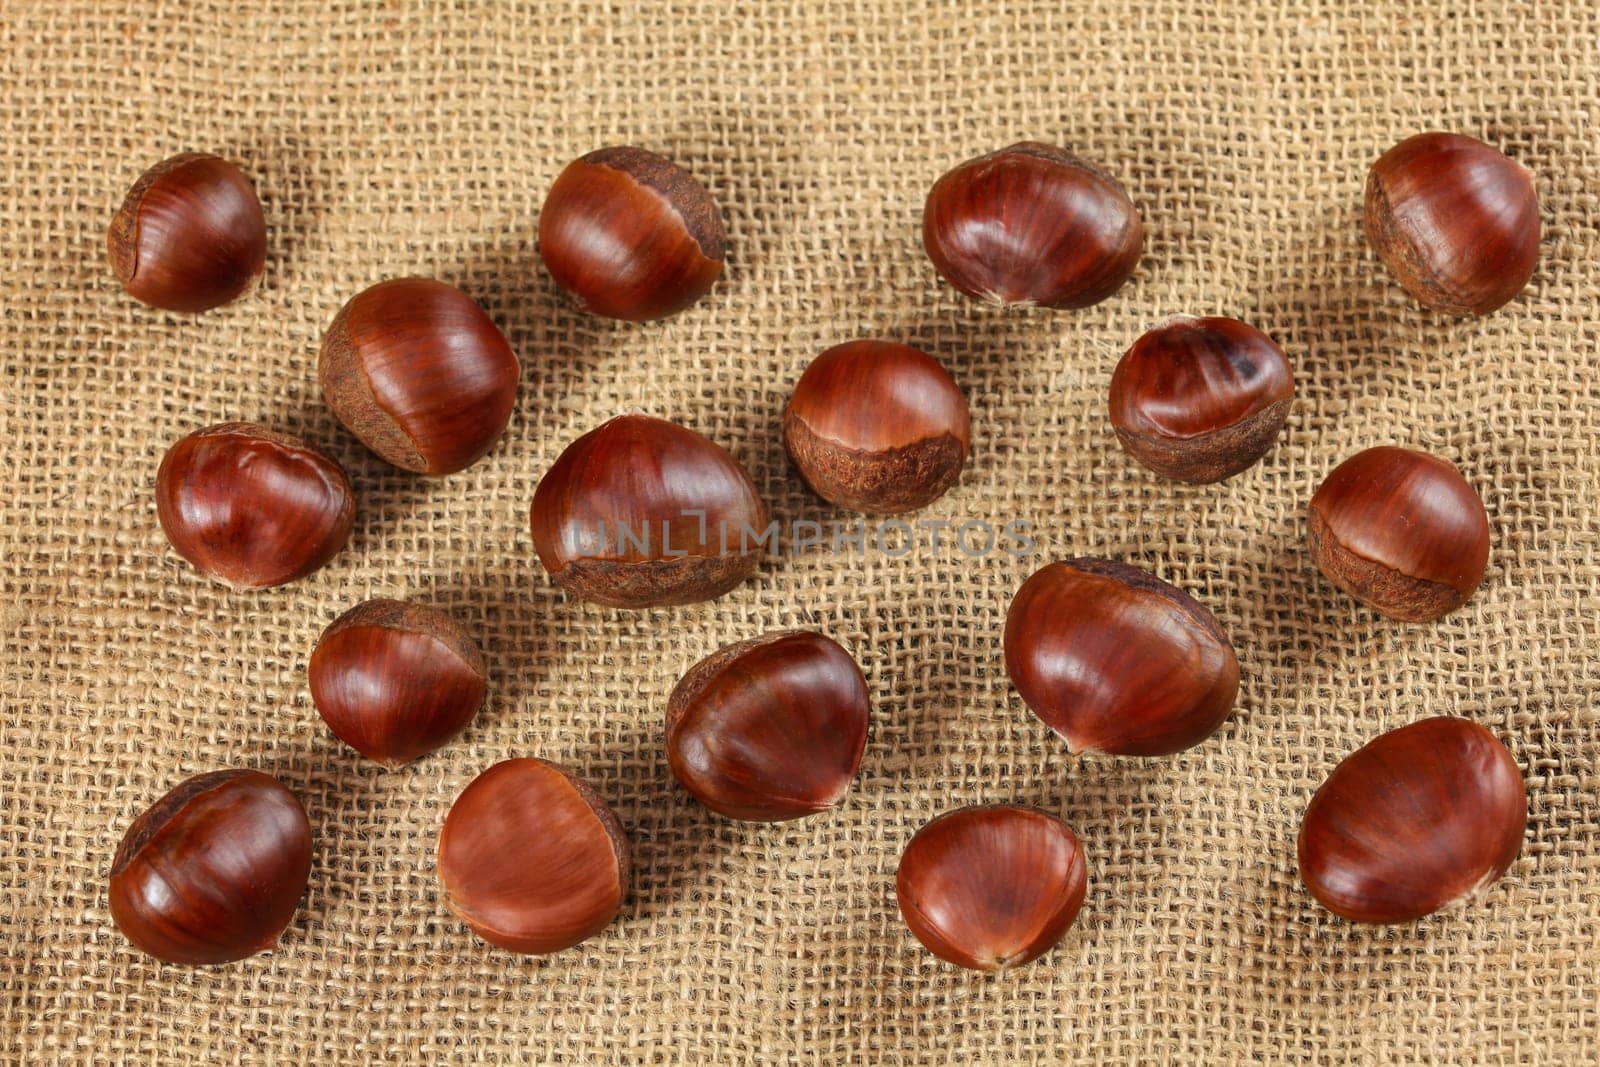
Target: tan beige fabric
{"points": [[390, 139]]}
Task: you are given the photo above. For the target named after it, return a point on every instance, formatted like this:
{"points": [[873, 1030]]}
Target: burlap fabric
{"points": [[388, 139]]}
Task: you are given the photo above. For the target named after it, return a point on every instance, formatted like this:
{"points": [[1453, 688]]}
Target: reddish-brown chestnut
{"points": [[190, 235], [993, 886], [253, 508], [395, 680], [769, 729], [1115, 660], [1034, 225], [1455, 220], [643, 512], [532, 859], [1200, 399], [214, 870], [417, 371], [1400, 531], [878, 427], [631, 235], [1414, 821]]}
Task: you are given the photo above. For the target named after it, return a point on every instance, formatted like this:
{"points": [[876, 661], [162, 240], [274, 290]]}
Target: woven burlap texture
{"points": [[390, 139]]}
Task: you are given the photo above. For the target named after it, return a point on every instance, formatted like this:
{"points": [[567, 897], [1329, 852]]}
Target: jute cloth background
{"points": [[388, 139]]}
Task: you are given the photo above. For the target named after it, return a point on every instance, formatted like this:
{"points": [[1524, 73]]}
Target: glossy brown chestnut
{"points": [[1456, 221], [253, 508], [395, 680], [631, 235], [1200, 399], [993, 886], [1115, 660], [1034, 225], [532, 859], [190, 235], [417, 371], [1400, 531], [1414, 821], [769, 729], [643, 512], [876, 426], [214, 870]]}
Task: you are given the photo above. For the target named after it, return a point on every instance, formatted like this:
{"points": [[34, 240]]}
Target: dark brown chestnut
{"points": [[878, 427], [643, 512], [993, 886], [1400, 531], [253, 508], [631, 235], [417, 371], [395, 680], [1034, 225], [1115, 660], [1200, 400], [1455, 220], [214, 870], [532, 859], [1417, 819], [190, 235], [769, 729]]}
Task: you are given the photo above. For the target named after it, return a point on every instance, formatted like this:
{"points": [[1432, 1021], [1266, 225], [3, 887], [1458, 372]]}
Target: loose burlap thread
{"points": [[390, 139]]}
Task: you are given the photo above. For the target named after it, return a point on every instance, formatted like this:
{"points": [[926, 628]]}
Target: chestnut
{"points": [[532, 859], [1199, 400], [631, 235], [190, 235], [769, 729], [214, 870], [1115, 660], [1400, 531], [1032, 224], [876, 426], [1455, 221], [1414, 821], [250, 507], [395, 680], [643, 512], [416, 370], [992, 886]]}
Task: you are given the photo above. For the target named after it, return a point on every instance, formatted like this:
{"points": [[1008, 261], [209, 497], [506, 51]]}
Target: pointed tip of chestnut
{"points": [[420, 374], [253, 508], [1418, 820], [641, 512], [769, 729], [1117, 661], [1200, 399], [214, 870], [993, 886], [1032, 225], [631, 235], [877, 427], [532, 859], [190, 235], [1401, 531], [1455, 220], [396, 680]]}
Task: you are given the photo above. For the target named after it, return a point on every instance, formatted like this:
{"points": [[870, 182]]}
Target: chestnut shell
{"points": [[771, 728], [991, 887], [1116, 660], [1415, 820], [1401, 531], [532, 859], [214, 870], [1032, 224], [878, 427], [627, 478]]}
